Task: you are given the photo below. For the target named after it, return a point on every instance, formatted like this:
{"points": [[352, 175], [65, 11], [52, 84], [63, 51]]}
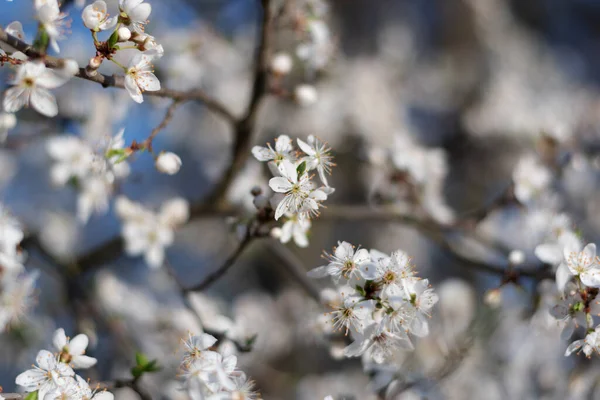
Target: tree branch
{"points": [[119, 81], [219, 272], [245, 127]]}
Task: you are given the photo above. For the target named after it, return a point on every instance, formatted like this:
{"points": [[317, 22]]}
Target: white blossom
{"points": [[306, 95], [283, 150], [72, 351], [149, 233], [31, 85], [95, 17], [140, 76], [281, 63], [52, 20], [134, 14], [300, 194], [318, 157], [48, 375], [589, 345], [168, 163], [531, 178], [346, 263]]}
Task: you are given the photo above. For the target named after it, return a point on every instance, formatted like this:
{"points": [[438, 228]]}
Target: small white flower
{"points": [[421, 296], [346, 263], [354, 314], [584, 264], [69, 390], [318, 157], [124, 34], [589, 345], [306, 95], [48, 375], [73, 159], [168, 163], [195, 345], [140, 76], [134, 14], [296, 226], [95, 17], [393, 271], [300, 192], [318, 50], [72, 351], [281, 63], [531, 178], [283, 150], [379, 343], [15, 29], [86, 393], [148, 233], [51, 19], [16, 297], [32, 82]]}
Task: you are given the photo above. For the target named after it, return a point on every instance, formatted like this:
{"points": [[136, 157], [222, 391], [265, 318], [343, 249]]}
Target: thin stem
{"points": [[222, 270], [163, 124]]}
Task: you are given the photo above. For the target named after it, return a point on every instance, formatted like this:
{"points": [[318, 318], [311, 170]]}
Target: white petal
{"points": [[280, 184], [59, 339], [15, 98], [576, 345], [78, 344], [262, 153], [319, 272], [133, 89], [30, 379], [83, 362], [590, 252], [45, 360], [549, 253], [43, 102]]}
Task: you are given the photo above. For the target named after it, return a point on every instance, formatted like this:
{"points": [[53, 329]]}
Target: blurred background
{"points": [[463, 88]]}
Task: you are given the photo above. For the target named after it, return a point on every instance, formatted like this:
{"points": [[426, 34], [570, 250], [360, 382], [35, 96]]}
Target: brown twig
{"points": [[295, 267], [222, 270], [163, 124]]}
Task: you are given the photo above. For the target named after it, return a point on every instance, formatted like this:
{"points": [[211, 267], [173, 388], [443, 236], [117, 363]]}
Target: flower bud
{"points": [[281, 64], [493, 298], [516, 257], [124, 34], [168, 163], [305, 95]]}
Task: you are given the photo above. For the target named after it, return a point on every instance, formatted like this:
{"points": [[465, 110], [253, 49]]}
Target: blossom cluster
{"points": [[209, 374], [411, 178], [94, 172], [313, 52], [381, 302], [578, 279], [297, 197], [147, 232], [54, 377], [16, 285], [33, 79]]}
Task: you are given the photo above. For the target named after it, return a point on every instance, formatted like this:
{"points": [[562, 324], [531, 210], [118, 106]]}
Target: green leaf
{"points": [[301, 169], [250, 341], [141, 359], [32, 396], [42, 40], [112, 40]]}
